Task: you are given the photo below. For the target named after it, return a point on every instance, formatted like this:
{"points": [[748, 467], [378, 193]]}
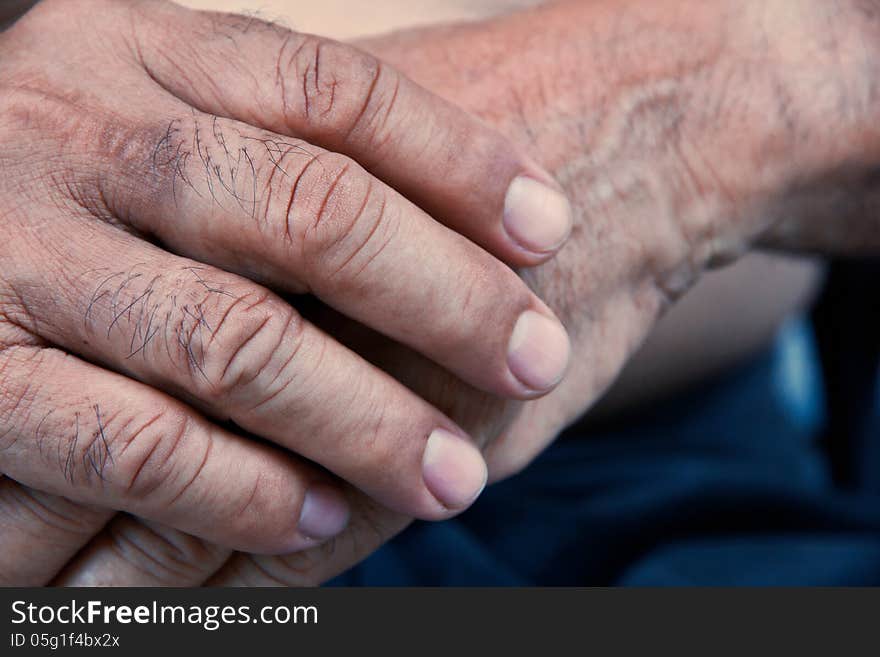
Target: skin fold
{"points": [[665, 185]]}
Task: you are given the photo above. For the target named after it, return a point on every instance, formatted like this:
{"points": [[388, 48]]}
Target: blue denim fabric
{"points": [[722, 486]]}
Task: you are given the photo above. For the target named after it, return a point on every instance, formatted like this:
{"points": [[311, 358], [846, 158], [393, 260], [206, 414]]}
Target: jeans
{"points": [[723, 485]]}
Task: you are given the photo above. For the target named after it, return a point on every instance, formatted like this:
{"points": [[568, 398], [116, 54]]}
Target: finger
{"points": [[305, 219], [131, 552], [134, 552], [40, 533], [237, 351], [344, 100], [99, 438], [371, 526]]}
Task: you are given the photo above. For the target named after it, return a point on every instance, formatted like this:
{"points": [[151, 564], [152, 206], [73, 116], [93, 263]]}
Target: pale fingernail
{"points": [[324, 513], [538, 351], [536, 216], [453, 469]]}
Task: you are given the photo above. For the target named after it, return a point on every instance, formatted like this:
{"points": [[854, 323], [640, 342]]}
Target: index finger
{"points": [[461, 171]]}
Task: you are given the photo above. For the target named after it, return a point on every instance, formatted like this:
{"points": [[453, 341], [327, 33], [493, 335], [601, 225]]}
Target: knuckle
{"points": [[380, 438], [489, 290], [374, 122], [243, 352], [152, 458], [166, 555], [52, 512], [333, 213], [335, 85], [372, 229], [312, 93]]}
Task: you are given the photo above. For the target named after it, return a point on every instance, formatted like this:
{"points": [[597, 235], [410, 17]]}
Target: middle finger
{"points": [[235, 350], [288, 213]]}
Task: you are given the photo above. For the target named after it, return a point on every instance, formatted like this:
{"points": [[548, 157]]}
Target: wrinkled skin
{"points": [[683, 138], [152, 189], [686, 133]]}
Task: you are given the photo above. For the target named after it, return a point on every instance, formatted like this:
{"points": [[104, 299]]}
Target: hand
{"points": [[679, 129], [684, 132], [154, 166]]}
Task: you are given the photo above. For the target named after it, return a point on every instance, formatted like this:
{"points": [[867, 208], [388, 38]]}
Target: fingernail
{"points": [[538, 351], [536, 216], [453, 469], [324, 513]]}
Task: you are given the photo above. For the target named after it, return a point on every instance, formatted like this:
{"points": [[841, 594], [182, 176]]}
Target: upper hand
{"points": [[685, 132], [158, 167]]}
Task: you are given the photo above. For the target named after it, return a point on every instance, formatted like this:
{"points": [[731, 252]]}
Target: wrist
{"points": [[826, 67]]}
